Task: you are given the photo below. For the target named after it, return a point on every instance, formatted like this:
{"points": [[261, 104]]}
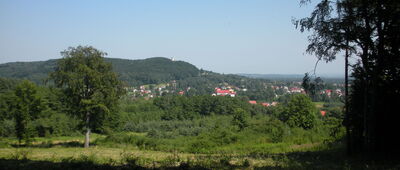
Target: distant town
{"points": [[152, 91]]}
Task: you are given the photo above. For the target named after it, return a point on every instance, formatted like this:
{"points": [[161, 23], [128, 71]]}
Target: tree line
{"points": [[368, 31]]}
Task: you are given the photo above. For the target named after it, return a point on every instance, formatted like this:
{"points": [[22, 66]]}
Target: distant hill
{"points": [[157, 70], [35, 71], [134, 72], [291, 77], [274, 76]]}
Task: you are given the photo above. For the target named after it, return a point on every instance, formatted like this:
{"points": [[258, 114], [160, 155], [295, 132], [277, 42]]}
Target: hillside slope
{"points": [[134, 72]]}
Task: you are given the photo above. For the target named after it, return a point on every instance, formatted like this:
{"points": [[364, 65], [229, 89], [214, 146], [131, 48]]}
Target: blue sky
{"points": [[226, 36]]}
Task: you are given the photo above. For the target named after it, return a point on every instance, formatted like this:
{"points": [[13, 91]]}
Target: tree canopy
{"points": [[27, 105], [368, 30], [90, 87], [299, 112]]}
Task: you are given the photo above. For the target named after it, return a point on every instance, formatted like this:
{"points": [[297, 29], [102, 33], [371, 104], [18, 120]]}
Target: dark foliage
{"points": [[370, 31], [181, 107]]}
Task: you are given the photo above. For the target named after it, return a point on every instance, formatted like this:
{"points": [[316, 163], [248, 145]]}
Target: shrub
{"points": [[201, 146], [240, 118], [142, 142], [7, 128], [299, 112]]}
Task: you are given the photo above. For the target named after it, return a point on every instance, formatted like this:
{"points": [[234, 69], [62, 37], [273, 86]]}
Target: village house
{"points": [[266, 104], [328, 92], [227, 92], [252, 102], [296, 90], [338, 92]]}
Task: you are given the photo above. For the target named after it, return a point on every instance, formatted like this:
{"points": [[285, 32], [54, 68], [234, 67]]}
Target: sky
{"points": [[225, 36]]}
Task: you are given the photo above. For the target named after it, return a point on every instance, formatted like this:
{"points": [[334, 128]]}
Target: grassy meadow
{"points": [[131, 153], [68, 152]]}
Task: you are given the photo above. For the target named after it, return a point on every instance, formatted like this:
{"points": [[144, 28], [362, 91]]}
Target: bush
{"points": [[240, 118], [299, 112], [142, 142], [201, 146], [211, 139], [7, 128]]}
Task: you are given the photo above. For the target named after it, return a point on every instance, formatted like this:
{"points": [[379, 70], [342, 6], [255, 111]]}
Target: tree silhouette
{"points": [[368, 30]]}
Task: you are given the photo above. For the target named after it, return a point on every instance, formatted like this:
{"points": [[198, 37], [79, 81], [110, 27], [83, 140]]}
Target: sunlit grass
{"points": [[245, 153], [118, 153]]}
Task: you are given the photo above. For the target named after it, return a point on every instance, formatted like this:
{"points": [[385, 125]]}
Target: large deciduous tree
{"points": [[90, 86], [369, 31]]}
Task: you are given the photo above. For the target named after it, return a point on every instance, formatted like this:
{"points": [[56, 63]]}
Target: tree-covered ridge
{"points": [[152, 70], [35, 71], [134, 72]]}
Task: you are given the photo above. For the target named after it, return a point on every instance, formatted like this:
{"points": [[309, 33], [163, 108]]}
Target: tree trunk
{"points": [[87, 135], [346, 99]]}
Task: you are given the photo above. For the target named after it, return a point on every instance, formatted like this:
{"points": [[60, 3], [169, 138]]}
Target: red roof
{"points": [[252, 102], [223, 91], [265, 104]]}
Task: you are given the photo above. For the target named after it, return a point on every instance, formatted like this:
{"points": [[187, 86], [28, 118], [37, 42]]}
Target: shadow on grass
{"points": [[325, 159], [11, 164], [50, 144], [34, 164], [328, 159]]}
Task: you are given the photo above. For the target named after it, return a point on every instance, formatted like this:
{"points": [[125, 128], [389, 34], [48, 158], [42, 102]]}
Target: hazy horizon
{"points": [[254, 37]]}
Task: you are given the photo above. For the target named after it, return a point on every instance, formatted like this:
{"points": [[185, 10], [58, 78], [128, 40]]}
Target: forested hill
{"points": [[134, 72], [152, 70]]}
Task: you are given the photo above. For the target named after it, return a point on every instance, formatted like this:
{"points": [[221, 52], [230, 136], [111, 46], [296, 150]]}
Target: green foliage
{"points": [[240, 118], [33, 71], [299, 112], [7, 128], [7, 100], [207, 141], [314, 88], [181, 107], [366, 31], [47, 116], [152, 70], [55, 124], [333, 120], [7, 84], [27, 106], [135, 72], [90, 87], [140, 141]]}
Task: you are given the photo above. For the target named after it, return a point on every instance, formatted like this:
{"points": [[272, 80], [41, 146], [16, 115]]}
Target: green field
{"points": [[67, 152]]}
